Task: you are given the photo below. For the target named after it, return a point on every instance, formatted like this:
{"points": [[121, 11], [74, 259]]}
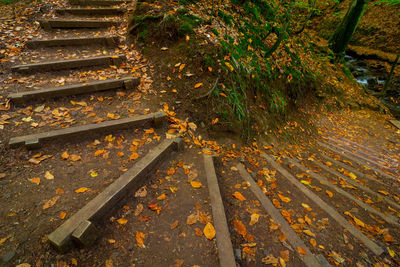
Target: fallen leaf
{"points": [[139, 209], [74, 157], [276, 203], [254, 218], [162, 197], [81, 190], [50, 203], [313, 242], [191, 219], [329, 193], [209, 231], [197, 85], [48, 175], [270, 259], [122, 221], [309, 233], [141, 192], [240, 228], [214, 121], [35, 180], [285, 255], [174, 225], [239, 196], [139, 239], [65, 155], [63, 215], [301, 251], [195, 184], [388, 238], [284, 199], [198, 231], [99, 152], [4, 239], [383, 192]]}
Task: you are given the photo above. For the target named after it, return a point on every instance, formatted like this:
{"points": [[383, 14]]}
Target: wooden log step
{"points": [[34, 140], [70, 63], [74, 89], [388, 218], [309, 259], [69, 24], [355, 184], [108, 200], [110, 41], [396, 123], [377, 250], [224, 243], [99, 2], [353, 158], [91, 11], [349, 168]]}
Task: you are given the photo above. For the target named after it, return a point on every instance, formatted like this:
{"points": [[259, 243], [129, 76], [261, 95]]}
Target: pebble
{"points": [[8, 255]]}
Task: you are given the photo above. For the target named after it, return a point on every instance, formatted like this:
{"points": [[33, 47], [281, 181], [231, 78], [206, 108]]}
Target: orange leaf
{"points": [[276, 203], [239, 196], [139, 239], [171, 171], [81, 190], [284, 199], [313, 242], [388, 238], [74, 157], [214, 121], [99, 152], [120, 154], [122, 221], [329, 193], [65, 155], [162, 197], [209, 231], [198, 231], [197, 85], [62, 215], [134, 156], [240, 227], [301, 251], [174, 225], [35, 180]]}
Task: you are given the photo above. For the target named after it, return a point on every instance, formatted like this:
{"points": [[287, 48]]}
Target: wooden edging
{"points": [[105, 40], [224, 243], [353, 170], [70, 63], [354, 183], [106, 201], [69, 24], [388, 218], [377, 250], [91, 11], [396, 123], [34, 140], [75, 89], [356, 158], [98, 2], [309, 259]]}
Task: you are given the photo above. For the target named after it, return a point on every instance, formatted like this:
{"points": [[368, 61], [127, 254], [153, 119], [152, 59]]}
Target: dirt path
{"points": [[335, 200]]}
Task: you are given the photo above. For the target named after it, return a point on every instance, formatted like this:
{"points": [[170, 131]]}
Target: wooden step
{"points": [[109, 200], [377, 250], [91, 11], [309, 259], [396, 123], [98, 2], [71, 24], [34, 141], [70, 63], [224, 243], [74, 89], [110, 41]]}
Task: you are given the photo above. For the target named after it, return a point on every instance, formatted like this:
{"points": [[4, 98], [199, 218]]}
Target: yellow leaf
{"points": [[313, 242], [209, 231], [329, 193], [305, 182], [352, 176], [50, 203], [309, 233], [48, 175], [181, 67], [197, 85], [195, 184], [328, 163], [254, 218], [305, 205], [94, 174], [122, 221], [229, 65], [284, 199], [214, 121], [4, 240], [134, 156], [35, 180], [383, 192], [239, 196], [63, 215], [99, 152], [81, 190]]}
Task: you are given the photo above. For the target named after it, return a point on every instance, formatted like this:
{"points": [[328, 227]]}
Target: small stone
{"points": [[238, 254], [8, 255]]}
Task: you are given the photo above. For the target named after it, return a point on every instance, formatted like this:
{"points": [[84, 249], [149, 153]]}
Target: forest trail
{"points": [[96, 165]]}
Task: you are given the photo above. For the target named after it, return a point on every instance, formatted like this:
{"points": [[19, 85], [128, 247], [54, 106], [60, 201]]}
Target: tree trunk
{"points": [[343, 33], [387, 83]]}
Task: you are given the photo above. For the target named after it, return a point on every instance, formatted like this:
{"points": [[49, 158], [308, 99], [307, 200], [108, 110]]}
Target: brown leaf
{"points": [[74, 157], [191, 219], [285, 255], [50, 203], [174, 225]]}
